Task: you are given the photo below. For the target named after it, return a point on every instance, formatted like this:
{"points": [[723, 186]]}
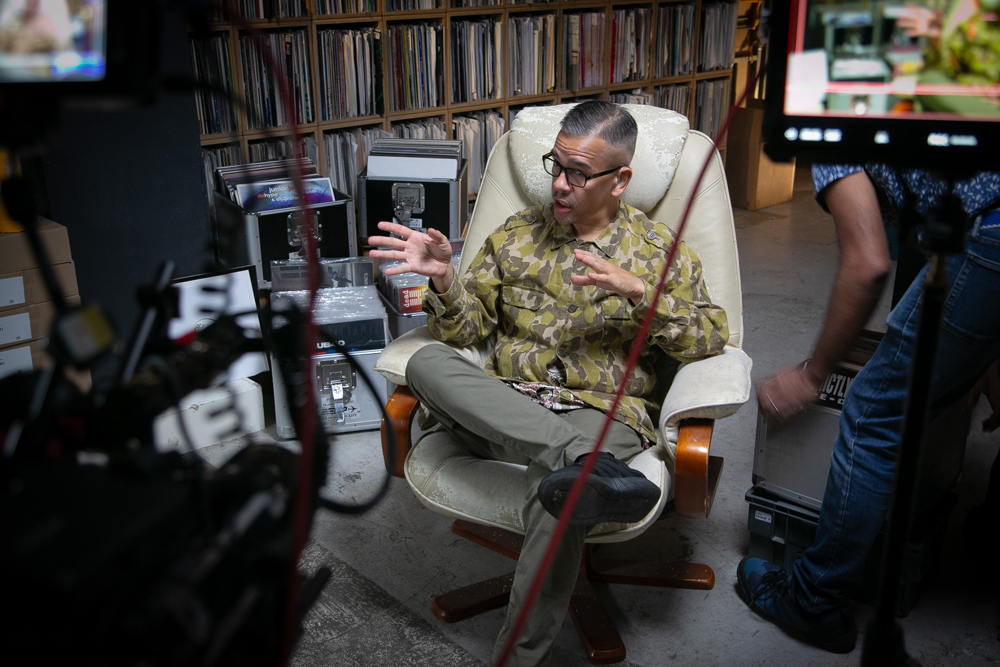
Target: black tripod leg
{"points": [[884, 638]]}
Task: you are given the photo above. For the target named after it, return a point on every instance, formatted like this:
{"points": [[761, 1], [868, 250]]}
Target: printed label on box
{"points": [[15, 361], [762, 516], [11, 291], [411, 298], [833, 391], [14, 328]]}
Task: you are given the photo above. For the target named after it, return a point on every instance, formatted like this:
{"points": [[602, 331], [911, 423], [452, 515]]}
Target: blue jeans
{"points": [[859, 488]]}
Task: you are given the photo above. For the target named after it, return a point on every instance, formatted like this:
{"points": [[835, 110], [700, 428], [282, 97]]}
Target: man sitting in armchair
{"points": [[563, 289]]}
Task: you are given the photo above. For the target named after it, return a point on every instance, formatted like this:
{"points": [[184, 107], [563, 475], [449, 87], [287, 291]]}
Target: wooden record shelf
{"points": [[444, 15]]}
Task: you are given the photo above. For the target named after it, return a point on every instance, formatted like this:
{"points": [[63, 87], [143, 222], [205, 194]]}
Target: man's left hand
{"points": [[607, 276]]}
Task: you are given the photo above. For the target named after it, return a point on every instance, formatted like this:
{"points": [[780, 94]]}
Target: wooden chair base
{"points": [[597, 631]]}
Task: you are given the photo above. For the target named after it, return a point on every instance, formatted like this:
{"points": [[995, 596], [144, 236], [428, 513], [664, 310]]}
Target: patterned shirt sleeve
{"points": [[687, 325], [825, 174]]}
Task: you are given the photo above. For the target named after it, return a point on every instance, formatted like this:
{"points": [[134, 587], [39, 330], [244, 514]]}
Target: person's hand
{"points": [[989, 386], [427, 254], [917, 21], [785, 394], [607, 276]]}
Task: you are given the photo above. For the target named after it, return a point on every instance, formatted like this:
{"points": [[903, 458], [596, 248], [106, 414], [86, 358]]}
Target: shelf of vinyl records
{"points": [[426, 69]]}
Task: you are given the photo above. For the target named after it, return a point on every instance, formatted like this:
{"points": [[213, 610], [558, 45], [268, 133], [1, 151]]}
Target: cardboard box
{"points": [[15, 251], [25, 358], [27, 287], [34, 356], [755, 181], [27, 323]]}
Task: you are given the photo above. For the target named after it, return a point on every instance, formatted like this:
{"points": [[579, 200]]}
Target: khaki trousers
{"points": [[496, 422]]}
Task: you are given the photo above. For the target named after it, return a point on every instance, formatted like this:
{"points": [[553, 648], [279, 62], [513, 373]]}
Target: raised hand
{"points": [[427, 254], [917, 21], [607, 276]]}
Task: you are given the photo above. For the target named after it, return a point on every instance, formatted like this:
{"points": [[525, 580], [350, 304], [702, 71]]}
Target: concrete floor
{"points": [[390, 562]]}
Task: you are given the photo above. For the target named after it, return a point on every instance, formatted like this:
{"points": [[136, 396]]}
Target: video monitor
{"points": [[203, 298], [52, 40], [915, 83]]}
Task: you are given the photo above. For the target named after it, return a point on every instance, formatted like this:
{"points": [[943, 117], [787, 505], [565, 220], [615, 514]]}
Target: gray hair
{"points": [[605, 120]]}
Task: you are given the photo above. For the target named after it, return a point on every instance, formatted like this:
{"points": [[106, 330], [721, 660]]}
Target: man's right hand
{"points": [[787, 393], [427, 254]]}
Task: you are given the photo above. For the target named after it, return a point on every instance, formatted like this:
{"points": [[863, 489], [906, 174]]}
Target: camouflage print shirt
{"points": [[518, 288]]}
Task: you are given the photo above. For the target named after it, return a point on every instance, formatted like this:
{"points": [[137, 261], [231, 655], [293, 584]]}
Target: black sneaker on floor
{"points": [[765, 588], [613, 492]]}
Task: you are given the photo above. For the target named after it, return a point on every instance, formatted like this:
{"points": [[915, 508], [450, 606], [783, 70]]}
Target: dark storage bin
{"points": [[445, 202], [243, 238], [780, 531]]}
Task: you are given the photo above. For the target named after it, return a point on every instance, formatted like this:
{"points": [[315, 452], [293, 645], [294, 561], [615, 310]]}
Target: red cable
{"points": [[633, 358], [303, 495]]}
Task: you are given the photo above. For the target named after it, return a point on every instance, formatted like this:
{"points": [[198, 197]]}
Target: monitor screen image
{"points": [[926, 59], [52, 40], [202, 298]]}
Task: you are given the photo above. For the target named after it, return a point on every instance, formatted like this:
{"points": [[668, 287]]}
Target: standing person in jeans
{"points": [[812, 599], [563, 288]]}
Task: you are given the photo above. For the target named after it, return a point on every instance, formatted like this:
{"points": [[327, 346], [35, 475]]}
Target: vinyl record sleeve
{"points": [[278, 196]]}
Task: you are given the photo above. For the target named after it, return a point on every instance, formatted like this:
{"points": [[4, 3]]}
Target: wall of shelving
{"points": [[451, 102]]}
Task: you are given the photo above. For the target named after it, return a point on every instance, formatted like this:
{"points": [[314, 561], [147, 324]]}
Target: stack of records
{"points": [[475, 60], [267, 187], [412, 158], [637, 96], [674, 48], [422, 128], [213, 68], [262, 86], [531, 50], [711, 101], [272, 9], [416, 65], [718, 32], [478, 131], [628, 45], [673, 97], [405, 291], [423, 148], [347, 154], [583, 60], [226, 178], [350, 65]]}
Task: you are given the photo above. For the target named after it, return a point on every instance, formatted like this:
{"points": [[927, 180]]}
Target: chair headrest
{"points": [[658, 149]]}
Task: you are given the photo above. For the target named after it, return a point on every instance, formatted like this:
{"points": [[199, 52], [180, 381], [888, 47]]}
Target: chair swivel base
{"points": [[597, 631]]}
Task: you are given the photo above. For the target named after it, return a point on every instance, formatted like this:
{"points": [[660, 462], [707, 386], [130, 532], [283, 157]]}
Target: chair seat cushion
{"points": [[657, 151], [449, 480], [391, 364]]}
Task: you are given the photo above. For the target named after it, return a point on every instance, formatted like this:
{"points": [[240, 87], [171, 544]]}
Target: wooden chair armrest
{"points": [[401, 408], [696, 474]]}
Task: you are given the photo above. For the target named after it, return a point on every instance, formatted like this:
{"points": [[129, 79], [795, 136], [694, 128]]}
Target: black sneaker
{"points": [[765, 587], [613, 492]]}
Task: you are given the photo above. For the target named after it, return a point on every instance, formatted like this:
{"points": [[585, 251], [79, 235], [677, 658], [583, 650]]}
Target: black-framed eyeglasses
{"points": [[574, 177]]}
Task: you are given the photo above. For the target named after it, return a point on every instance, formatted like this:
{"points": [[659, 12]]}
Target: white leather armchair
{"points": [[485, 497]]}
